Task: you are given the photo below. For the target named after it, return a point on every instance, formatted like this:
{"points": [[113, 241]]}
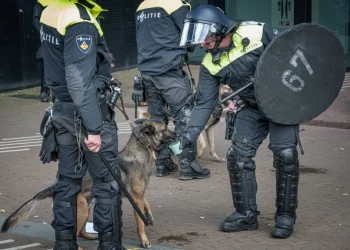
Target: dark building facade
{"points": [[19, 40]]}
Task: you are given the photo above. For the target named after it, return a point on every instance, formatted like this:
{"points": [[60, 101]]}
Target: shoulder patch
{"points": [[84, 43]]}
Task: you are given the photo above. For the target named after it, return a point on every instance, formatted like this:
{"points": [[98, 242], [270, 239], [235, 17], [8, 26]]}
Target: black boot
{"points": [[166, 167], [65, 240], [108, 241], [287, 181], [243, 188], [164, 163], [190, 167], [240, 221]]}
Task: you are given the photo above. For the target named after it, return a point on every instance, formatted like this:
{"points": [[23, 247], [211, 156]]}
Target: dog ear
{"points": [[148, 129]]}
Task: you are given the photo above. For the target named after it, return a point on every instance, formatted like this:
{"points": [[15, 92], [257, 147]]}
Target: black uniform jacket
{"points": [[158, 31], [76, 57], [236, 68]]}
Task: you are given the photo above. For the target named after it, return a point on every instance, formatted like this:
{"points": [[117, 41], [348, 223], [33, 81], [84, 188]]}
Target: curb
{"points": [[45, 231]]}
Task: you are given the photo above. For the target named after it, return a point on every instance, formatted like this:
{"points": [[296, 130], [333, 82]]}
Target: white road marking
{"points": [[22, 247], [31, 145], [6, 241], [19, 138], [15, 150], [18, 143]]}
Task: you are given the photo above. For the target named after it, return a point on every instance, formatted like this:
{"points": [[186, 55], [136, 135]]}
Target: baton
{"points": [[236, 92], [120, 183]]}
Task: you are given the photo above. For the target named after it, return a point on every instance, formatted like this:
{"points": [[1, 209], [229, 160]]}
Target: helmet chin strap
{"points": [[216, 52]]}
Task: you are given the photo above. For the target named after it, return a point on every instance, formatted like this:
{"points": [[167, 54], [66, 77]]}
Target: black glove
{"points": [[137, 92], [49, 149], [186, 140]]}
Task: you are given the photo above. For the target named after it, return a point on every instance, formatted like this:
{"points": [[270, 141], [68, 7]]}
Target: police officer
{"points": [[38, 8], [77, 70], [160, 61], [233, 50]]}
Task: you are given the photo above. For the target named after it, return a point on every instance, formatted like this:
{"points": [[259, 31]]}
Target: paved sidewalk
{"points": [[187, 213]]}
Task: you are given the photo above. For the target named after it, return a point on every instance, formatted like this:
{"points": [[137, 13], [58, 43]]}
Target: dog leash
{"points": [[141, 137], [117, 179]]}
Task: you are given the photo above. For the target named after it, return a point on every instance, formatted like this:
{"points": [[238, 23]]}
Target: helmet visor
{"points": [[195, 33]]}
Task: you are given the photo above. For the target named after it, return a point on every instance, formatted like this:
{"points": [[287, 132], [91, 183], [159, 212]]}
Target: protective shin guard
{"points": [[113, 240], [67, 239], [244, 188], [287, 177]]}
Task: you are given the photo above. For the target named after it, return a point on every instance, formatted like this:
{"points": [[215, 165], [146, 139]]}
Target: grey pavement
{"points": [[187, 213]]}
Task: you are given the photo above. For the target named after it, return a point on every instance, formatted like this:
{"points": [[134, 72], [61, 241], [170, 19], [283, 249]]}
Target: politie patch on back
{"points": [[84, 43]]}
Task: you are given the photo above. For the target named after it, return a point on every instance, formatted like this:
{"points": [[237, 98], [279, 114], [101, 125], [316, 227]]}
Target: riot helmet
{"points": [[203, 22]]}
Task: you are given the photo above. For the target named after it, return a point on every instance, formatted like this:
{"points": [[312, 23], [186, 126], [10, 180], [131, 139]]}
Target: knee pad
{"points": [[236, 162], [286, 160]]}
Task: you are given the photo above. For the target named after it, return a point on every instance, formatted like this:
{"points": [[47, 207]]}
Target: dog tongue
{"points": [[231, 106]]}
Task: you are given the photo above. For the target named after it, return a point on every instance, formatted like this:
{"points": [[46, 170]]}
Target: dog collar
{"points": [[141, 137]]}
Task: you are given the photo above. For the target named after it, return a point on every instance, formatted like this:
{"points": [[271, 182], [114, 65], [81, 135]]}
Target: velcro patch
{"points": [[84, 43]]}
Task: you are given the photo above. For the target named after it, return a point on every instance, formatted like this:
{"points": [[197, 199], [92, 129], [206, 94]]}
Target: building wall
{"points": [[334, 14], [19, 40]]}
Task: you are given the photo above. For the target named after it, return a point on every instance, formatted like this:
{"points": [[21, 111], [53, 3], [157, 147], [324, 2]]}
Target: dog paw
{"points": [[221, 159], [146, 244], [217, 158]]}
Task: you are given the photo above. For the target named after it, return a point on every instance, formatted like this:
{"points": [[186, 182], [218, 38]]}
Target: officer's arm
{"points": [[38, 8], [80, 64], [104, 61], [179, 16], [267, 35], [207, 97]]}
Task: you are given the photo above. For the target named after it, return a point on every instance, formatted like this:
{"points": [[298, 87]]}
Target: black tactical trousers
{"points": [[74, 160], [250, 129], [174, 89]]}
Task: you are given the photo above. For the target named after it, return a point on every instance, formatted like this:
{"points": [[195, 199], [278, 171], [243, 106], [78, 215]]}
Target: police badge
{"points": [[84, 43]]}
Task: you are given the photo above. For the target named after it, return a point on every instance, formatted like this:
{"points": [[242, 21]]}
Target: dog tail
{"points": [[24, 211]]}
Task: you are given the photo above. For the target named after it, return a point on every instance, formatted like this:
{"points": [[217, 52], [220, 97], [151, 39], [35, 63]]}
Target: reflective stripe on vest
{"points": [[253, 32], [45, 3], [63, 13], [169, 6]]}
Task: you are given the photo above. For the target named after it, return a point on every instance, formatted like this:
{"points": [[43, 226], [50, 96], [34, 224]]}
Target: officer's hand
{"points": [[185, 140], [93, 142], [115, 82]]}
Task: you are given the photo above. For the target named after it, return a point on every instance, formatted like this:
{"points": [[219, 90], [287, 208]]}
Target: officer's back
{"points": [[158, 27], [55, 20]]}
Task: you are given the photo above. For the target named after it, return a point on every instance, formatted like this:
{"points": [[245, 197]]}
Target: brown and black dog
{"points": [[134, 161], [209, 128]]}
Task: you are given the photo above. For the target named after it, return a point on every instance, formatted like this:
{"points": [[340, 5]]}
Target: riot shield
{"points": [[299, 74]]}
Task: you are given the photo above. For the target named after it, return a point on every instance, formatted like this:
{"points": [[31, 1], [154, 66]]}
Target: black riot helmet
{"points": [[205, 21]]}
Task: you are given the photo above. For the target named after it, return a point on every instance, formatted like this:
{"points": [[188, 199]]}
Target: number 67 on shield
{"points": [[293, 61]]}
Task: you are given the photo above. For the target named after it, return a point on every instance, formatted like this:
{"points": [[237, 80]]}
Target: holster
{"points": [[139, 88], [103, 103], [230, 119]]}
